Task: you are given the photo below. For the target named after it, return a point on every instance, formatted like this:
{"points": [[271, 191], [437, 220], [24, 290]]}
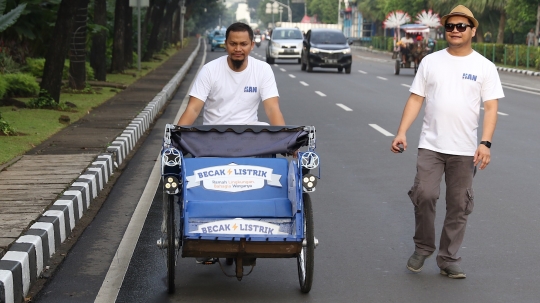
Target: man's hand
{"points": [[399, 140], [482, 154]]}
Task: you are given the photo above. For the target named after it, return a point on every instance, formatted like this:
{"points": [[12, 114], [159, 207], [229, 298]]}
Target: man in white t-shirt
{"points": [[454, 83], [231, 87]]}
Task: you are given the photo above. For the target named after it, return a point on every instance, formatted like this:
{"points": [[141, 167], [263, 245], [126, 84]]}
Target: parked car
{"points": [[284, 43], [218, 40], [326, 48]]}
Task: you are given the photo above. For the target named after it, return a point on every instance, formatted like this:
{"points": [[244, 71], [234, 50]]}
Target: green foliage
{"points": [[35, 67], [44, 100], [5, 127], [7, 64], [21, 85], [11, 17], [3, 86]]}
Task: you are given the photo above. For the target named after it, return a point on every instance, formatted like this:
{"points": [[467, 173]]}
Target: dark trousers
{"points": [[458, 172]]}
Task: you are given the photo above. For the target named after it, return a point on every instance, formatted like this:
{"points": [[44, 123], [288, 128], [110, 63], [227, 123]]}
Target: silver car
{"points": [[285, 43]]}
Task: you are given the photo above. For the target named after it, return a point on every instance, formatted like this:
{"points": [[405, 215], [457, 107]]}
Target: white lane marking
{"points": [[521, 90], [344, 107], [304, 83], [362, 72], [282, 69], [292, 76], [382, 78], [275, 64], [381, 130], [500, 113], [406, 85], [320, 94]]}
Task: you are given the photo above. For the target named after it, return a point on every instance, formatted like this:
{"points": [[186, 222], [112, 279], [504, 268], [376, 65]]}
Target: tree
{"points": [[58, 48], [99, 41], [7, 20], [128, 39], [118, 62], [156, 19], [77, 51]]}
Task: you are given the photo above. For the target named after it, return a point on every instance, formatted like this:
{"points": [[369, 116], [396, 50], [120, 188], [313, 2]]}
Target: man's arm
{"points": [[192, 111], [410, 112], [271, 107], [483, 153]]}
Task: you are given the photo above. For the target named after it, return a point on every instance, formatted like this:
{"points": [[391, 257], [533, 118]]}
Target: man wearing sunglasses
{"points": [[454, 83]]}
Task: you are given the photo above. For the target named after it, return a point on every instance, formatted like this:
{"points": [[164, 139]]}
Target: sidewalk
{"points": [[45, 192]]}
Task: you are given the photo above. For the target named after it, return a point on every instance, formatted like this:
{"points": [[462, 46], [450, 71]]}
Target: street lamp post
{"points": [[272, 8], [286, 6]]}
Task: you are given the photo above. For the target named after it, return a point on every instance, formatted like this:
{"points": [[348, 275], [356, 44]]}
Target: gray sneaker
{"points": [[416, 262], [453, 271]]}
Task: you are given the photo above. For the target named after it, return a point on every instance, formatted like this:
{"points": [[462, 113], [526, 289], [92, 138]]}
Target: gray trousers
{"points": [[458, 172]]}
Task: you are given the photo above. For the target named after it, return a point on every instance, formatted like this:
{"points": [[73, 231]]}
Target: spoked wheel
{"points": [[172, 236], [306, 258], [396, 67]]}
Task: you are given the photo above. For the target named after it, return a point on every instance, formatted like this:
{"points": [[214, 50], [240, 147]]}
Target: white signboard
{"points": [[239, 226], [144, 3], [233, 178]]}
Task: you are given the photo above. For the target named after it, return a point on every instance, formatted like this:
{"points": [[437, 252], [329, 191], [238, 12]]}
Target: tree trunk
{"points": [[77, 50], [176, 26], [128, 42], [479, 35], [99, 42], [502, 24], [157, 17], [166, 25], [120, 13], [58, 48], [146, 21]]}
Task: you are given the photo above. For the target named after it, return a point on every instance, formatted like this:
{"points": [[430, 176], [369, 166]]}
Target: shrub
{"points": [[21, 85], [3, 86], [5, 128], [35, 67], [44, 100], [7, 64]]}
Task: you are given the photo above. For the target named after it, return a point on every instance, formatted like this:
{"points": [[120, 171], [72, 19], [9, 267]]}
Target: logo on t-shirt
{"points": [[250, 89], [469, 77]]}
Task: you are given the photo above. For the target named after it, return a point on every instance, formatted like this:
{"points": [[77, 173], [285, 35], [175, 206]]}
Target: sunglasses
{"points": [[461, 27]]}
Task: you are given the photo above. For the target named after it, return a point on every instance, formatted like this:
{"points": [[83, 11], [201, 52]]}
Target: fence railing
{"points": [[509, 55]]}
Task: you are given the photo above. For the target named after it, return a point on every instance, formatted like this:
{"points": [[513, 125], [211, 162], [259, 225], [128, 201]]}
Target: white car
{"points": [[284, 43]]}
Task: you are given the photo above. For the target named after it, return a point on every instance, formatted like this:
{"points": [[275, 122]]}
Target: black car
{"points": [[326, 48]]}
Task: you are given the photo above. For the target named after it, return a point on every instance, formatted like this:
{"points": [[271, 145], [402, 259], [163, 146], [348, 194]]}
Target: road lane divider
{"points": [[346, 108], [292, 76], [381, 130], [406, 85], [282, 69], [382, 78], [320, 93], [304, 83], [362, 72]]}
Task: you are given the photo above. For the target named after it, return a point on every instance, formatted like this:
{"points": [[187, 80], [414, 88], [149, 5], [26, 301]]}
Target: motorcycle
{"points": [[258, 40]]}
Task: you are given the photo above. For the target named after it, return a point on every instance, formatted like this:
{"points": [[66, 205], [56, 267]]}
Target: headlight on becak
{"points": [[171, 185], [309, 182]]}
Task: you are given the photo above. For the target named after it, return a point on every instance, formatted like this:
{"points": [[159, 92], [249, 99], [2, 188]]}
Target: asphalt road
{"points": [[363, 216]]}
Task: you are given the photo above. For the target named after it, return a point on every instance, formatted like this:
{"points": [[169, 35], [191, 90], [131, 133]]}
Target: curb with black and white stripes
{"points": [[23, 264]]}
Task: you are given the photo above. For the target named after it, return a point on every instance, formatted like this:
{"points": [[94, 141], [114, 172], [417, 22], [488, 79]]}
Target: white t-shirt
{"points": [[454, 88], [233, 97]]}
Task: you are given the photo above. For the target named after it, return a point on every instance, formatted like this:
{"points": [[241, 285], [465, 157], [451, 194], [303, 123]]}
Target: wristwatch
{"points": [[486, 143]]}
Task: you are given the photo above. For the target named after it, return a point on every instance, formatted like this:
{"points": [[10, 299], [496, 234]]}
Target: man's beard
{"points": [[237, 63]]}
